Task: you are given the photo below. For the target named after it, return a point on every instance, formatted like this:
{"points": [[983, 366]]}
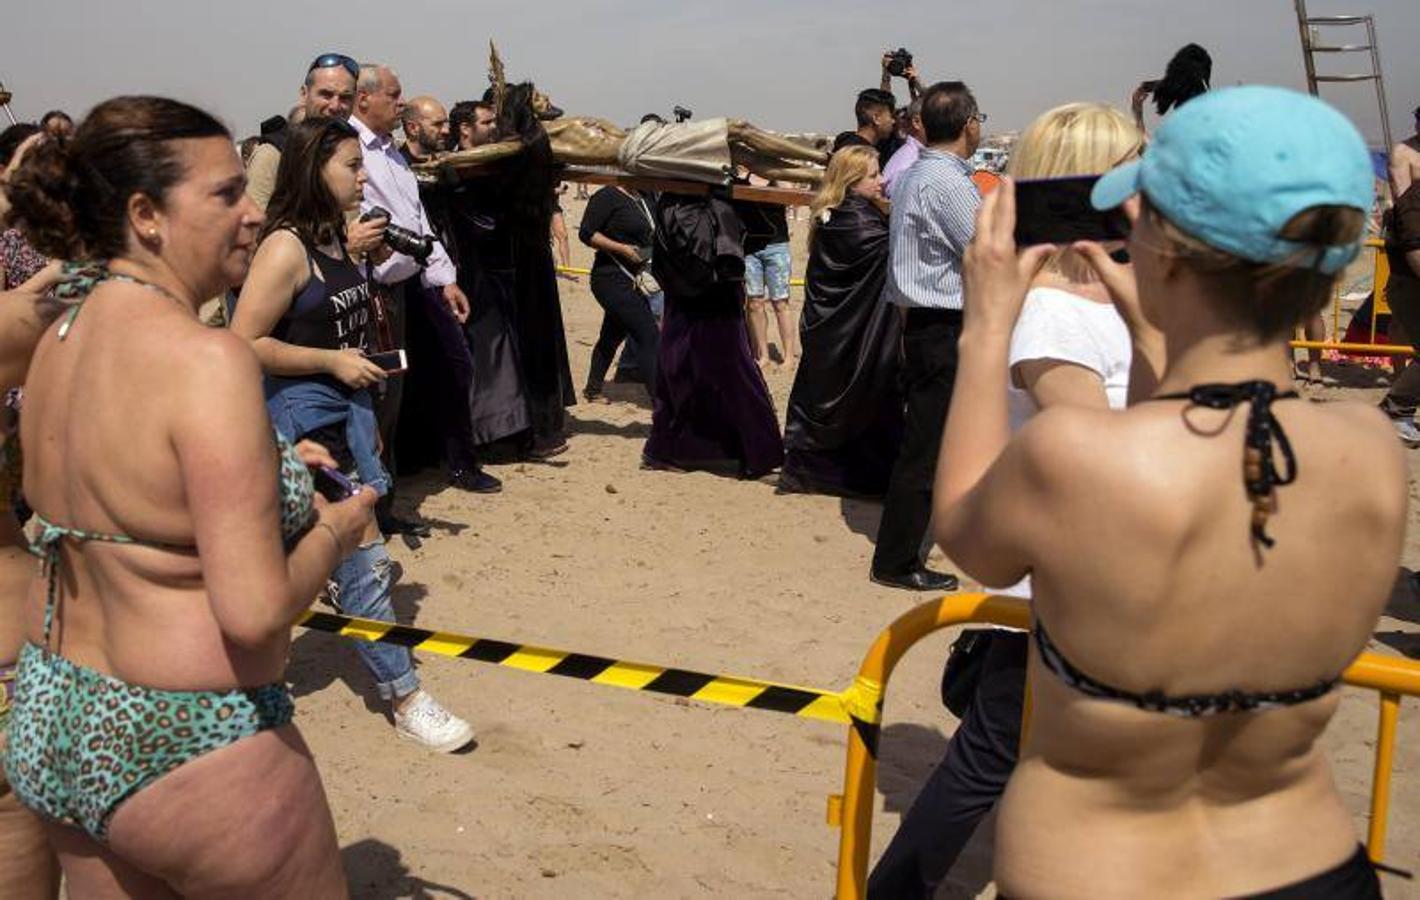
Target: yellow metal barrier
{"points": [[1380, 280], [852, 811]]}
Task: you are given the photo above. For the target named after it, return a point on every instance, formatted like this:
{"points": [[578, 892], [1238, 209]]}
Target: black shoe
{"points": [[393, 524], [922, 579], [475, 481], [547, 448]]}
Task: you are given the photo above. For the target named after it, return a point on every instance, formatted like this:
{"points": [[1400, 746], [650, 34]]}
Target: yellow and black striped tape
{"points": [[859, 706]]}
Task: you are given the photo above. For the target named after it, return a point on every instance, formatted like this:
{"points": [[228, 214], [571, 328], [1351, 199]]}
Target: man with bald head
{"points": [[426, 128], [441, 363]]}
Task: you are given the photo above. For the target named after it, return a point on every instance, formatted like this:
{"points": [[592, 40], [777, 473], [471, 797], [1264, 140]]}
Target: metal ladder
{"points": [[5, 102], [1310, 26]]}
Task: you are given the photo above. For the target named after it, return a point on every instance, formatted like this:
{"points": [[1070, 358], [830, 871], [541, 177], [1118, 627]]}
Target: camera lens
{"points": [[402, 240]]}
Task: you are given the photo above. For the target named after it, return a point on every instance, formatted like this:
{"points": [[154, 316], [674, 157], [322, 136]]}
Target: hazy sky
{"points": [[785, 64]]}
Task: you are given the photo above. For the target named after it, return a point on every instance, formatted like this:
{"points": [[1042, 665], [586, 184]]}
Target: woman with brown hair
{"points": [[1188, 637], [305, 308], [844, 421], [165, 521]]}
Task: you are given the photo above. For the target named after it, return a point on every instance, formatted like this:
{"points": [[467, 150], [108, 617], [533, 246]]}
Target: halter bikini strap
{"points": [[78, 280], [1260, 475], [45, 545]]}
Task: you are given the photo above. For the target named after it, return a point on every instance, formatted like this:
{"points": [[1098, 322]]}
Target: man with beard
{"points": [[474, 218], [440, 366], [472, 124]]}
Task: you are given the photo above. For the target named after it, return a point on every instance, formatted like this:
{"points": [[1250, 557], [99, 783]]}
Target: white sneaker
{"points": [[1406, 430], [425, 721]]}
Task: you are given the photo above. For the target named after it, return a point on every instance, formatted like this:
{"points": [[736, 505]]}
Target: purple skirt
{"points": [[712, 408]]}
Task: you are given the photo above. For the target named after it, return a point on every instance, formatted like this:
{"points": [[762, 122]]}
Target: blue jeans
{"points": [[767, 273], [360, 584], [298, 407], [361, 587]]}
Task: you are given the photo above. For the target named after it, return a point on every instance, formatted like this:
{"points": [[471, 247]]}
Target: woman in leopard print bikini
{"points": [[166, 522]]}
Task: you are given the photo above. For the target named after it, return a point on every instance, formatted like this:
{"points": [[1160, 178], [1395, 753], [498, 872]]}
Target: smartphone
{"points": [[1058, 211], [392, 361], [332, 484]]}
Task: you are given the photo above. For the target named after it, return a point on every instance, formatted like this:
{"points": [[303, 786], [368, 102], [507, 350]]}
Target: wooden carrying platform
{"points": [[590, 175], [752, 193]]}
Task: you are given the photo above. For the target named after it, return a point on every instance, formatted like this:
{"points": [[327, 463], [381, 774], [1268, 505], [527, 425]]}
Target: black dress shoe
{"points": [[916, 580], [393, 524], [547, 448], [475, 481]]}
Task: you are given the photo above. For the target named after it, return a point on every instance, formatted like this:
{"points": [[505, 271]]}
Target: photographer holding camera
{"points": [[876, 109], [898, 64], [391, 185], [875, 112]]}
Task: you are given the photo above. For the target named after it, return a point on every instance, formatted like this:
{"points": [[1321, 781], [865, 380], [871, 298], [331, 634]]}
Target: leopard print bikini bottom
{"points": [[81, 742]]}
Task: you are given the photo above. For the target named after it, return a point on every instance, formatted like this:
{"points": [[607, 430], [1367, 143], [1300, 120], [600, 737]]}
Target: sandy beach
{"points": [[579, 790]]}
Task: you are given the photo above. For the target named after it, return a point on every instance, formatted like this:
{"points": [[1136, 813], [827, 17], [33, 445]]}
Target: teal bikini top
{"points": [[296, 488]]}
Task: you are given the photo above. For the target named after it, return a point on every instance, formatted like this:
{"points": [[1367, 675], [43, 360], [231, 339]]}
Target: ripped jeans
{"points": [[360, 586]]}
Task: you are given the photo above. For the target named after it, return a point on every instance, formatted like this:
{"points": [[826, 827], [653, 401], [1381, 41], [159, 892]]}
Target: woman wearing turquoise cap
{"points": [[1189, 637]]}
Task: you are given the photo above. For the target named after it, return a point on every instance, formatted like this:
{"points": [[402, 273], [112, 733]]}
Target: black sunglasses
{"points": [[329, 60]]}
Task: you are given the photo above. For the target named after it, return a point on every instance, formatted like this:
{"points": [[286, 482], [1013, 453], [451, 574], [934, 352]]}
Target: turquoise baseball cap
{"points": [[1233, 166]]}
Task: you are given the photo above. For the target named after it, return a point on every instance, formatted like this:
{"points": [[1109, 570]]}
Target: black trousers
{"points": [[626, 313], [391, 398], [929, 371], [455, 364], [966, 783]]}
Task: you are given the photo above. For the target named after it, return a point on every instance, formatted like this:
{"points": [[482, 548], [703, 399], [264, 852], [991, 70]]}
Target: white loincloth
{"points": [[694, 151]]}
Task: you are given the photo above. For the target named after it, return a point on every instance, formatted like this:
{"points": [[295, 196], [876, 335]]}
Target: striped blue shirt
{"points": [[933, 219]]}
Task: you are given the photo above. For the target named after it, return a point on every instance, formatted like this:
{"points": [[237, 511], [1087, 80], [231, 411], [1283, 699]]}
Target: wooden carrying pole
{"points": [[749, 192]]}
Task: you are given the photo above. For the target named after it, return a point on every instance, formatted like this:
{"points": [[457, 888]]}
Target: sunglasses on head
{"points": [[330, 60]]}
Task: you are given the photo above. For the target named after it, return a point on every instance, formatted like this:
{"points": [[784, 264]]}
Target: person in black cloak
{"points": [[711, 407], [474, 216], [845, 413], [439, 429], [528, 182]]}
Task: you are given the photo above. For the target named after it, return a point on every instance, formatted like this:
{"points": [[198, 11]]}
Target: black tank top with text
{"points": [[332, 312]]}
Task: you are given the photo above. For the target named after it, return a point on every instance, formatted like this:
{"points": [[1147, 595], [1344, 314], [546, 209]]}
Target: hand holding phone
{"points": [[1058, 211], [353, 368], [332, 484], [392, 362]]}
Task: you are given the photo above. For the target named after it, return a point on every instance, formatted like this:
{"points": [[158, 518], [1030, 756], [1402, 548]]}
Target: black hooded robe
{"points": [[845, 415]]}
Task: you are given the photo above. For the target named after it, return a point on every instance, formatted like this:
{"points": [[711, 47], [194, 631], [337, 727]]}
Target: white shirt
{"points": [[1058, 325], [390, 184]]}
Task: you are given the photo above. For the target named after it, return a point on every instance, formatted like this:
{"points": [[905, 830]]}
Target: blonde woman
{"points": [[845, 411], [1069, 348]]}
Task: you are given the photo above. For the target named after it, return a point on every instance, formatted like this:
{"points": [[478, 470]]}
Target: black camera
{"points": [[681, 113], [402, 240], [898, 62]]}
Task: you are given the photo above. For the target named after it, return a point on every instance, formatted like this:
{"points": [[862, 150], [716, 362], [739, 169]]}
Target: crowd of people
{"points": [[1068, 422]]}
